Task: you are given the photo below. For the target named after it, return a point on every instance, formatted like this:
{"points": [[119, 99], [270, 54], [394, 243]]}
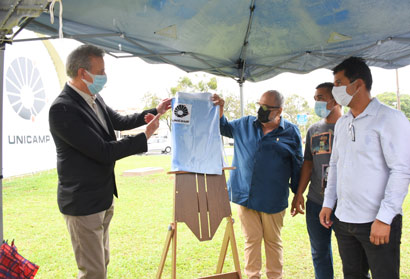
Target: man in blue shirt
{"points": [[267, 154]]}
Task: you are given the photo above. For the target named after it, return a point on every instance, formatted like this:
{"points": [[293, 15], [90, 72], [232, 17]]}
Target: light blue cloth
{"points": [[196, 140]]}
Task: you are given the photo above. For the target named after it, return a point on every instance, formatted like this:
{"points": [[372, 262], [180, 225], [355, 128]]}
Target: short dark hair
{"points": [[80, 58], [355, 68], [327, 85]]}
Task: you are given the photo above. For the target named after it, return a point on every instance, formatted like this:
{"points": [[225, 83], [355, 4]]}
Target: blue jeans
{"points": [[320, 242], [357, 252]]}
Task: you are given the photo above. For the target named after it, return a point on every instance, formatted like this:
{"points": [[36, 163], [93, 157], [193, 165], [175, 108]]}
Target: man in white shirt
{"points": [[369, 174]]}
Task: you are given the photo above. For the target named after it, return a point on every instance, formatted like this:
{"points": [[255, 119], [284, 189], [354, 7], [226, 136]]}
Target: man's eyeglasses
{"points": [[351, 131], [266, 107]]}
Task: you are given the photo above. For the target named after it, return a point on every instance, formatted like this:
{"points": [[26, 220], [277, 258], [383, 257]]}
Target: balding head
{"points": [[272, 98]]}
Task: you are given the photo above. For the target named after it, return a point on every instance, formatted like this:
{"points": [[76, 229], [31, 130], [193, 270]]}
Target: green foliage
{"points": [[185, 84], [251, 108], [390, 99], [139, 229], [295, 105], [150, 100], [232, 107], [213, 83]]}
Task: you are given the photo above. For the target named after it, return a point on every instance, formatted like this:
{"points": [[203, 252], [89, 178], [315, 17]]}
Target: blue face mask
{"points": [[98, 82], [321, 110]]}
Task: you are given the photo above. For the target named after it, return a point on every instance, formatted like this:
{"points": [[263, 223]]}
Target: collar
{"points": [[89, 99], [281, 123], [371, 109]]}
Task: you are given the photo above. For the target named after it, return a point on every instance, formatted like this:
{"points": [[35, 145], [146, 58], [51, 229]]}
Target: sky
{"points": [[130, 78]]}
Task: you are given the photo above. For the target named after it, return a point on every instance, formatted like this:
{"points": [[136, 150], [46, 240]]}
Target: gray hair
{"points": [[279, 99], [80, 58]]}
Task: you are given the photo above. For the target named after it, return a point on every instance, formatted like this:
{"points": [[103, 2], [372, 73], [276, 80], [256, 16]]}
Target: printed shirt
{"points": [[369, 170], [264, 163], [319, 143]]}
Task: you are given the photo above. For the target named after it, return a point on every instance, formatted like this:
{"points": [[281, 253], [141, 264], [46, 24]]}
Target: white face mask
{"points": [[341, 96]]}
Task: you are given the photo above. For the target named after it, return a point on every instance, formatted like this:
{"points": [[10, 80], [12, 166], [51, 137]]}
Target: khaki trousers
{"points": [[255, 227], [90, 241]]}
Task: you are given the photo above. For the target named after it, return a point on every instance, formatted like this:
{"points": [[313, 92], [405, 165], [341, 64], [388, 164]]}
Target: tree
{"points": [[295, 105], [150, 100], [185, 84], [251, 108], [232, 107], [390, 99]]}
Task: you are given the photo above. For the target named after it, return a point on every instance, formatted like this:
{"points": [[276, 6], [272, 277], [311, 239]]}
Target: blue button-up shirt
{"points": [[265, 164]]}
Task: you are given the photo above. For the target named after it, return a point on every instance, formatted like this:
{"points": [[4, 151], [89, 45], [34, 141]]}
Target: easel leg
{"points": [[174, 253], [229, 236], [224, 249], [170, 236], [234, 248]]}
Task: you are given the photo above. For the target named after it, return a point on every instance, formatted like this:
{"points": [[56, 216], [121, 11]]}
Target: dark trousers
{"points": [[320, 242], [358, 254]]}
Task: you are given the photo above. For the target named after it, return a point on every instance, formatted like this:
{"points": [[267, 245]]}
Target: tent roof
{"points": [[246, 40]]}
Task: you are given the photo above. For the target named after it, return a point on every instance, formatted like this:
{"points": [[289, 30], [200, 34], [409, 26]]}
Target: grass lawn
{"points": [[139, 228]]}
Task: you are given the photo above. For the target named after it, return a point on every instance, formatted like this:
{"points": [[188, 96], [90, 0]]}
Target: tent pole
{"points": [[241, 96], [398, 92], [2, 49]]}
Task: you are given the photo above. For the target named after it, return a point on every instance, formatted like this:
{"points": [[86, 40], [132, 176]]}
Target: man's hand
{"points": [[298, 205], [379, 233], [218, 101], [148, 117], [164, 106], [152, 125], [324, 217]]}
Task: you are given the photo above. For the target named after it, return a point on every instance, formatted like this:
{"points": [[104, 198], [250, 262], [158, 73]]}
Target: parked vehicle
{"points": [[159, 144]]}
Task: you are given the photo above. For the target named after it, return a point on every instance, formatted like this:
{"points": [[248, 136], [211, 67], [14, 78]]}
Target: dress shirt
{"points": [[370, 165], [91, 101], [264, 163]]}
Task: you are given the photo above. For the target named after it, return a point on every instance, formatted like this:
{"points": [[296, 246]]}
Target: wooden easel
{"points": [[201, 201]]}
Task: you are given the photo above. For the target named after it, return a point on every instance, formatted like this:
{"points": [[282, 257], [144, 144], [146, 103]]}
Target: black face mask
{"points": [[263, 116]]}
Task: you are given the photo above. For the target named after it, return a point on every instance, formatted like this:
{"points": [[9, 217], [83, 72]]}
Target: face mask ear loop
{"points": [[357, 91], [90, 75]]}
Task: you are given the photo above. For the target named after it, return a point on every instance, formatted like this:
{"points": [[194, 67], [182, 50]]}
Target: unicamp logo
{"points": [[25, 89], [182, 114], [181, 111]]}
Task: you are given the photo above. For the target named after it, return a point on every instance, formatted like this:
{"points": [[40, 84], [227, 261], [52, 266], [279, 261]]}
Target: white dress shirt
{"points": [[369, 171], [91, 102]]}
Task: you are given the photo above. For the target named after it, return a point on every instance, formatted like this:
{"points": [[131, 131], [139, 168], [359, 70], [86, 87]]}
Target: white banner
{"points": [[30, 86]]}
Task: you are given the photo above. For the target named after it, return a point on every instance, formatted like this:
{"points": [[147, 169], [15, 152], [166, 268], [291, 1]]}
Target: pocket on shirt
{"points": [[370, 140]]}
